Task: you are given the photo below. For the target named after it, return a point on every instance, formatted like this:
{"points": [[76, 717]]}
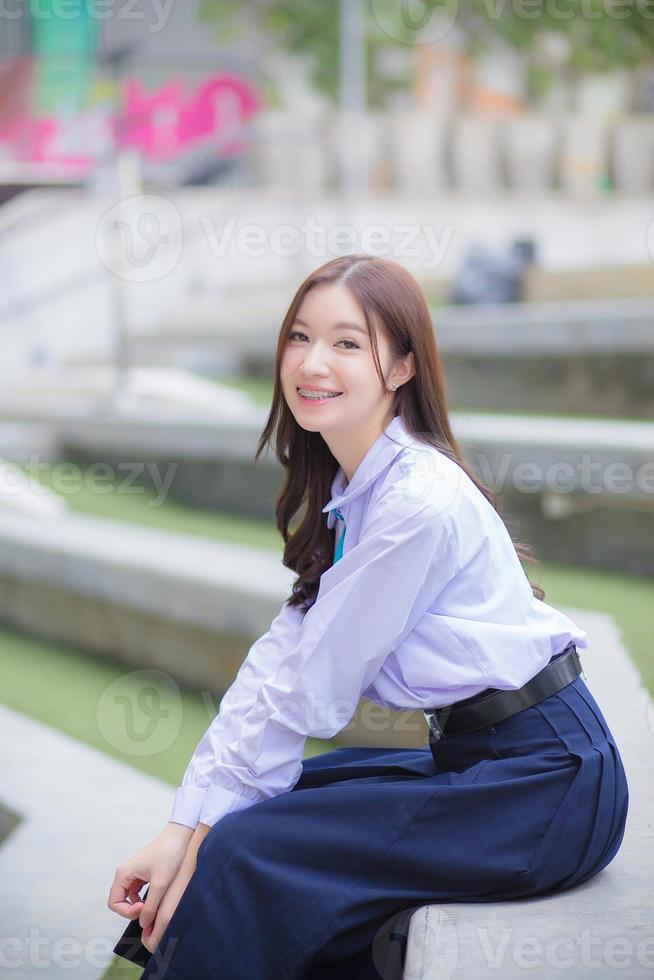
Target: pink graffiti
{"points": [[161, 124]]}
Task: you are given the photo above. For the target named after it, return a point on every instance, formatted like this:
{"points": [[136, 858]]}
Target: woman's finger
{"points": [[122, 889], [152, 934], [153, 898], [134, 889], [149, 940]]}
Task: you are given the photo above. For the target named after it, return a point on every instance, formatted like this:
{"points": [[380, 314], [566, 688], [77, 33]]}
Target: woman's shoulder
{"points": [[422, 480]]}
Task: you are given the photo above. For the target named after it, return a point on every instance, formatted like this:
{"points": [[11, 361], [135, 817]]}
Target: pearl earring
{"points": [[393, 387]]}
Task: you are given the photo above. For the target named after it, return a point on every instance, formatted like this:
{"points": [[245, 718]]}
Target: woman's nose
{"points": [[315, 359]]}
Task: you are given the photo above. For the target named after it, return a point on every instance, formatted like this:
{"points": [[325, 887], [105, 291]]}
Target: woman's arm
{"points": [[199, 798], [305, 677], [199, 834]]}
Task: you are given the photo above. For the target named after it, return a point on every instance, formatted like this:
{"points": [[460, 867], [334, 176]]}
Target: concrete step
{"points": [[140, 595], [582, 490]]}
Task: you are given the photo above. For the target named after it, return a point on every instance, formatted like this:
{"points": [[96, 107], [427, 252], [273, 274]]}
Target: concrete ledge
{"points": [[150, 598], [147, 597], [577, 356], [582, 490], [602, 928]]}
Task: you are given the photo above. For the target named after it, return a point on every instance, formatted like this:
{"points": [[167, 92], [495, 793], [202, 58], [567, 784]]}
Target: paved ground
{"points": [[83, 813]]}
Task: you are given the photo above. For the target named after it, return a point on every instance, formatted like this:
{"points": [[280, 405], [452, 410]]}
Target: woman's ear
{"points": [[406, 367]]}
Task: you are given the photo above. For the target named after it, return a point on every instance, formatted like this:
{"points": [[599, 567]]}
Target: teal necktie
{"points": [[339, 544]]}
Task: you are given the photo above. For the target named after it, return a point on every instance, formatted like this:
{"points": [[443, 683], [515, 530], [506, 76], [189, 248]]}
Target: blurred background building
{"points": [[525, 145], [170, 170]]}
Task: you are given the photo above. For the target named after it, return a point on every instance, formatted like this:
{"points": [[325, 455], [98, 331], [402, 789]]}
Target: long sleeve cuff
{"points": [[193, 804], [187, 805]]}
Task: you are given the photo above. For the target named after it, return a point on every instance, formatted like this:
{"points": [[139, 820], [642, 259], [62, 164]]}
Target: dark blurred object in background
{"points": [[493, 275]]}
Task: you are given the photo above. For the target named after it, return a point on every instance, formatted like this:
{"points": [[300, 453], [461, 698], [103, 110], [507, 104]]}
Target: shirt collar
{"points": [[380, 455]]}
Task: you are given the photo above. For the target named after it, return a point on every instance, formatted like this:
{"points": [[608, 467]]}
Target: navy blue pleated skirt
{"points": [[321, 882]]}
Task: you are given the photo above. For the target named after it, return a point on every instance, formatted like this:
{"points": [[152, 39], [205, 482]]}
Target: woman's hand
{"points": [[154, 930], [154, 926], [158, 864]]}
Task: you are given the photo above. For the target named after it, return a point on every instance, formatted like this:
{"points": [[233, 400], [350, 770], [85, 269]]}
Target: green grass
{"points": [[628, 598], [73, 691], [138, 505], [120, 969], [260, 389]]}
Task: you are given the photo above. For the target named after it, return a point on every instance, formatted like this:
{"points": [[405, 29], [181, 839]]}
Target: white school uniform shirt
{"points": [[428, 604]]}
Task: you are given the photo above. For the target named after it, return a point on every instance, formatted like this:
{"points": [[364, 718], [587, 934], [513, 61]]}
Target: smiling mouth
{"points": [[318, 396]]}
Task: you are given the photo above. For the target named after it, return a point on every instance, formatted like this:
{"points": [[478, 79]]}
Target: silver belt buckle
{"points": [[434, 727]]}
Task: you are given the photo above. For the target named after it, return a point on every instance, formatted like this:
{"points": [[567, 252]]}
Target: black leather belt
{"points": [[489, 709]]}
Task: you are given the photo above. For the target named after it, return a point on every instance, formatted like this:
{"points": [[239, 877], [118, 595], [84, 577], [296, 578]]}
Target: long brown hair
{"points": [[385, 289]]}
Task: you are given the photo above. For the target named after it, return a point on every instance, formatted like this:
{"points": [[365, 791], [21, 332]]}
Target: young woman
{"points": [[410, 593]]}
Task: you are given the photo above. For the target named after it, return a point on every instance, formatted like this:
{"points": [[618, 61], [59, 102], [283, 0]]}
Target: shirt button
{"points": [[491, 730]]}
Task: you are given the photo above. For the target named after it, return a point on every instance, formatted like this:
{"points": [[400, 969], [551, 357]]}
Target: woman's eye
{"points": [[297, 333]]}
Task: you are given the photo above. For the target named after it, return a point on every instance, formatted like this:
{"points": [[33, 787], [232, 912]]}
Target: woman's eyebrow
{"points": [[338, 326]]}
